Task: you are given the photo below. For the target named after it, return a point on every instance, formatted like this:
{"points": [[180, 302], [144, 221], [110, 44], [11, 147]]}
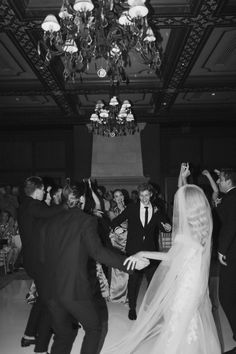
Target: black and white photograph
{"points": [[118, 176]]}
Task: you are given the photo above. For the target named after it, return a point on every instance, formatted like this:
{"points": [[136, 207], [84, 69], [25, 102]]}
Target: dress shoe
{"points": [[132, 314], [27, 342], [232, 351]]}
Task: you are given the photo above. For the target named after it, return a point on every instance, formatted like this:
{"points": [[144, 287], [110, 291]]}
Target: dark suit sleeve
{"points": [[159, 219], [42, 210], [164, 218], [96, 249], [228, 230], [120, 218]]}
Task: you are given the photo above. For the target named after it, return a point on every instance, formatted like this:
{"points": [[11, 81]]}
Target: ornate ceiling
{"points": [[198, 74]]}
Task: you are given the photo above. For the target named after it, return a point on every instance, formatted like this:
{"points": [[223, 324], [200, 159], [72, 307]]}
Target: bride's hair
{"points": [[198, 213], [192, 212]]}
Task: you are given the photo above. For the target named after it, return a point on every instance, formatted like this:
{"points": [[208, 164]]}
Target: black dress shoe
{"points": [[132, 314], [232, 351], [27, 342]]}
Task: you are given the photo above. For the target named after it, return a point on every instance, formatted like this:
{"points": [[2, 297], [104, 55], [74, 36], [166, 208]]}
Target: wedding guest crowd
{"points": [[123, 225]]}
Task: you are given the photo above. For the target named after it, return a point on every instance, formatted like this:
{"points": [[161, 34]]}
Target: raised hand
{"points": [[205, 173], [217, 172], [184, 170], [166, 226], [89, 183]]}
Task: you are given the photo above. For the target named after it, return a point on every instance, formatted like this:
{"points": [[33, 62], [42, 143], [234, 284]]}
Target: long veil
{"points": [[170, 319]]}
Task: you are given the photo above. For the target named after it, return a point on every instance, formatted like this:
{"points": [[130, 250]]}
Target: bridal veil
{"points": [[175, 315]]}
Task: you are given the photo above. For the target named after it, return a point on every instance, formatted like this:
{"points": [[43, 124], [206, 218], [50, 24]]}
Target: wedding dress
{"points": [[175, 316]]}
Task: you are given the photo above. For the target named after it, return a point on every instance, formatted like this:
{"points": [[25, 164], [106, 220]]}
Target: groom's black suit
{"points": [[140, 238], [227, 247], [67, 241]]}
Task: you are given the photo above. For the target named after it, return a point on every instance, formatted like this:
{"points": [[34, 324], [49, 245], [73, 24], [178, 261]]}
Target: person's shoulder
{"points": [[232, 193], [28, 203], [133, 206], [229, 198], [79, 214]]}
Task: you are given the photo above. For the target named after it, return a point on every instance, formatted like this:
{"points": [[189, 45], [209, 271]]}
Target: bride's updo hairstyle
{"points": [[192, 213]]}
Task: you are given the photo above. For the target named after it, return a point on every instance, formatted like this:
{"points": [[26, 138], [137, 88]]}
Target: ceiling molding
{"points": [[188, 27]]}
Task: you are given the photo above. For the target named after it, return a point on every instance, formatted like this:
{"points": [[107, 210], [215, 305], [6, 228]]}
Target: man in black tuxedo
{"points": [[227, 246], [68, 241], [144, 221], [31, 210]]}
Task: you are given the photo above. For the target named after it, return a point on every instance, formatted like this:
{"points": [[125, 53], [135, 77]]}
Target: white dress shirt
{"points": [[142, 213]]}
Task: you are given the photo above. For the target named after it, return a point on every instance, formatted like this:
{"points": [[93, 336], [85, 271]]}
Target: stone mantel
{"points": [[128, 182], [117, 162]]}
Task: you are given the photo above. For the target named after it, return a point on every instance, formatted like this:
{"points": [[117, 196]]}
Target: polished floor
{"points": [[14, 312]]}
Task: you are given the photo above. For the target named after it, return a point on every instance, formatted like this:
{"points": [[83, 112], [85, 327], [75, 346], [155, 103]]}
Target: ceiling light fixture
{"points": [[113, 119], [102, 30]]}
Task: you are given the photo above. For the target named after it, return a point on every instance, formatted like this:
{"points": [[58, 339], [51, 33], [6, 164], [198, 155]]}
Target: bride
{"points": [[175, 316]]}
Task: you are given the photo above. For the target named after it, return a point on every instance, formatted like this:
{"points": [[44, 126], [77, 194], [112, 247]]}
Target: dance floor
{"points": [[14, 312]]}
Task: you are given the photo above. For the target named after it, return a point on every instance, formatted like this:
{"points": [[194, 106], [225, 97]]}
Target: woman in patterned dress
{"points": [[118, 279]]}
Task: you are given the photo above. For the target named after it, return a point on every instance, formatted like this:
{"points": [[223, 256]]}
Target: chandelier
{"points": [[112, 120], [105, 31]]}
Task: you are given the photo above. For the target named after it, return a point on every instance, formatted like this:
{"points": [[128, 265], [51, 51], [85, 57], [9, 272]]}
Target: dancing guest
{"points": [[144, 222], [31, 210], [55, 194], [8, 229], [70, 239], [214, 200], [118, 279], [227, 246], [103, 230]]}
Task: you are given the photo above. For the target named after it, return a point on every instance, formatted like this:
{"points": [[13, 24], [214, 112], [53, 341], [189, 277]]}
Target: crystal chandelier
{"points": [[105, 31], [113, 120]]}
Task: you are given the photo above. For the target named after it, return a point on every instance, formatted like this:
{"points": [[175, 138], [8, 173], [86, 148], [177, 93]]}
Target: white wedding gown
{"points": [[175, 316]]}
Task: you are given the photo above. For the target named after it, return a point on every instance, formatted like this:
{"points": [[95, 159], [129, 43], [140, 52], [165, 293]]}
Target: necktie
{"points": [[146, 217]]}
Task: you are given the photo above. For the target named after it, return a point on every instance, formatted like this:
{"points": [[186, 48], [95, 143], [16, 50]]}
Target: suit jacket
{"points": [[227, 235], [30, 211], [69, 239], [139, 238]]}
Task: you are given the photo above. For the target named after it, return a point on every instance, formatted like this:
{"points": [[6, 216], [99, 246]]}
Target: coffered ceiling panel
{"points": [[27, 102], [218, 56], [208, 98], [12, 64], [197, 80]]}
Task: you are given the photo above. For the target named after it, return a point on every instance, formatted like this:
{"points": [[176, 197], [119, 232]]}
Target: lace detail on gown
{"points": [[181, 300], [192, 330]]}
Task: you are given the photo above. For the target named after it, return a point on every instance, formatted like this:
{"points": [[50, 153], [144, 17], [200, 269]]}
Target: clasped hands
{"points": [[136, 261]]}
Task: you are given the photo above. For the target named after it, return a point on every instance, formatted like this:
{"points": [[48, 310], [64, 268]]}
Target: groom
{"points": [[144, 221], [66, 242]]}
